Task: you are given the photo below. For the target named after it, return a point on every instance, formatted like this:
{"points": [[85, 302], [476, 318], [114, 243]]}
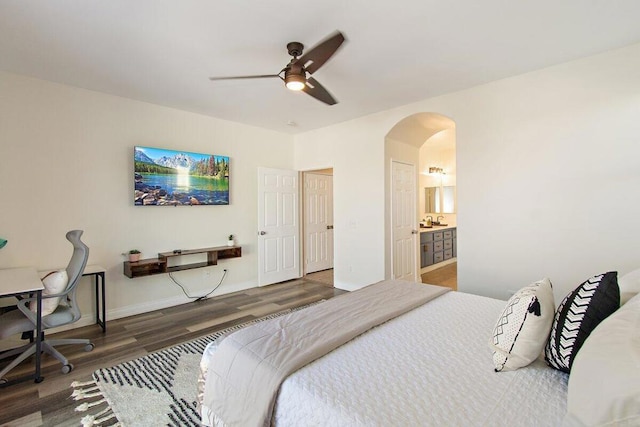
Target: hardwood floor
{"points": [[48, 403], [444, 276], [323, 276]]}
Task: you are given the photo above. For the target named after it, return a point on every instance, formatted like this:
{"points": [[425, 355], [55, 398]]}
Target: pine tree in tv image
{"points": [[177, 178]]}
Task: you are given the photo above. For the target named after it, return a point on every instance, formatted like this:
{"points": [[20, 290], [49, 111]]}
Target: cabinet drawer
{"points": [[438, 246], [438, 235], [448, 253], [438, 257], [426, 258], [448, 243], [426, 237], [448, 234], [455, 232]]}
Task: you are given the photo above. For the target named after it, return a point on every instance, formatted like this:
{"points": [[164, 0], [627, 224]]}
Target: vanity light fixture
{"points": [[436, 170]]}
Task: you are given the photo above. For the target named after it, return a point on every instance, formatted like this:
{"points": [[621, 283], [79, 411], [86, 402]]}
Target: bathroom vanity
{"points": [[437, 245]]}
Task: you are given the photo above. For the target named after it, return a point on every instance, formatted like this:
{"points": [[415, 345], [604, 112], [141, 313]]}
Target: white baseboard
{"points": [[145, 307], [348, 287], [89, 318]]}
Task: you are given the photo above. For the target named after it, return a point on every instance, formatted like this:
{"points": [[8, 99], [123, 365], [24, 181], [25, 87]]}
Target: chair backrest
{"points": [[75, 268]]}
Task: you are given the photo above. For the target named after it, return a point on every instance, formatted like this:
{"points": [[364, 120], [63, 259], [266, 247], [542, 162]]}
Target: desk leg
{"points": [[101, 319], [38, 378]]}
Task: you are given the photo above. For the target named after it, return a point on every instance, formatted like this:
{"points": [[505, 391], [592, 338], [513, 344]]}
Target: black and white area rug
{"points": [[157, 389]]}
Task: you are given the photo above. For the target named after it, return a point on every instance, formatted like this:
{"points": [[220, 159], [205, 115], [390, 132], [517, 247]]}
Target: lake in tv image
{"points": [[175, 178]]}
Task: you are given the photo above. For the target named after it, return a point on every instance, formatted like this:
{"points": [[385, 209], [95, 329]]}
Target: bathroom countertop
{"points": [[437, 228]]}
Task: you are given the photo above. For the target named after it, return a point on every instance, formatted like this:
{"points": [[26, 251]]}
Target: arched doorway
{"points": [[403, 146]]}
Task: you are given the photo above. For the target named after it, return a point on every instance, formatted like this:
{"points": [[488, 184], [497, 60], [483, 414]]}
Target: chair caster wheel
{"points": [[89, 347], [67, 368]]}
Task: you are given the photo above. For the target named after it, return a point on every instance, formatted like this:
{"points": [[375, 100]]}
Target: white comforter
{"points": [[431, 366]]}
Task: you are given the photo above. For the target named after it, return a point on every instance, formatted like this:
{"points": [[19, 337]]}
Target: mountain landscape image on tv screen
{"points": [[179, 178]]}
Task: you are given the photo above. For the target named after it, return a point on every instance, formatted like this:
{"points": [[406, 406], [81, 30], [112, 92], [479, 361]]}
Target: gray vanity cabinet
{"points": [[426, 249], [437, 246]]}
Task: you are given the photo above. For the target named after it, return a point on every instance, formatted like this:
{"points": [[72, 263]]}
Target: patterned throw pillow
{"points": [[523, 327], [579, 314]]}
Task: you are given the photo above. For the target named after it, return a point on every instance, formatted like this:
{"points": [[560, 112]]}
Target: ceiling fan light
{"points": [[295, 82]]}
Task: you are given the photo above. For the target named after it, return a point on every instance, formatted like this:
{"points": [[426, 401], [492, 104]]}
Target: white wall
{"points": [[547, 176], [66, 162], [548, 173], [358, 193]]}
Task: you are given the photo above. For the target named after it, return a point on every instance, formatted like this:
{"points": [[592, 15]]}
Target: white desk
{"points": [[16, 281]]}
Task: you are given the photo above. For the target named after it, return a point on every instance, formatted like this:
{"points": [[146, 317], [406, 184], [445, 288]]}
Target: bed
{"points": [[428, 366]]}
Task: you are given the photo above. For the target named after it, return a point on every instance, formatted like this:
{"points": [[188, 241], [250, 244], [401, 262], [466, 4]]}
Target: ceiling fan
{"points": [[297, 73]]}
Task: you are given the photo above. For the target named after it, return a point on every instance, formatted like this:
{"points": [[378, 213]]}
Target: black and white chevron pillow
{"points": [[579, 314]]}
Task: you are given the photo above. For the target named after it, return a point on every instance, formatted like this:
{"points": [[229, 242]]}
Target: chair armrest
{"points": [[24, 308]]}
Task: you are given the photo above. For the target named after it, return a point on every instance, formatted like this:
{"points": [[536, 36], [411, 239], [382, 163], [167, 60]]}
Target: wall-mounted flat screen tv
{"points": [[179, 178]]}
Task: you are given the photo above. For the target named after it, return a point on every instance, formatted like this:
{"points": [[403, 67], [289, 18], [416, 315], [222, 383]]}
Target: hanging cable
{"points": [[200, 298]]}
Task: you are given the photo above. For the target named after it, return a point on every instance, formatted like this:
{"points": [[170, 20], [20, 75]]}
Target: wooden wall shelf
{"points": [[148, 267]]}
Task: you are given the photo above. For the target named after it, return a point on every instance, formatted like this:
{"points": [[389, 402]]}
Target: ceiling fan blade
{"points": [[316, 90], [320, 53], [260, 76]]}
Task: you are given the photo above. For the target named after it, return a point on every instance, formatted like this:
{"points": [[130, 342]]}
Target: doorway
{"points": [[278, 226], [405, 142], [403, 220], [317, 224]]}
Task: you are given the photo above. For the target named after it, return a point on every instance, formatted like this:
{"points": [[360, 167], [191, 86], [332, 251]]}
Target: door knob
{"points": [[262, 233], [329, 227], [414, 231]]}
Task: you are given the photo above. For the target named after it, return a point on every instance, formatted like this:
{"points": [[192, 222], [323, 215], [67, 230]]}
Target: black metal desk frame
{"points": [[36, 376], [99, 282]]}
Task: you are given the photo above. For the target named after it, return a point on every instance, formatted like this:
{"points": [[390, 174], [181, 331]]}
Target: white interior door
{"points": [[403, 220], [278, 226], [318, 222]]}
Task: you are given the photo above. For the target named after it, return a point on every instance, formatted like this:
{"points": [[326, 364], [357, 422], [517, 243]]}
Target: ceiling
{"points": [[163, 51]]}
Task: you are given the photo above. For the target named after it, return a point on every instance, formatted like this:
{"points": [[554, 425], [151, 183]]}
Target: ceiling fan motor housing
{"points": [[295, 49]]}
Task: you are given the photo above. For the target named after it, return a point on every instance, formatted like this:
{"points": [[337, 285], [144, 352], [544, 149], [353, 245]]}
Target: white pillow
{"points": [[523, 327], [604, 385], [54, 283], [629, 285]]}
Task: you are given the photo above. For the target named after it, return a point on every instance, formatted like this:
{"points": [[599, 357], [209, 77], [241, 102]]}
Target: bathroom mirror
{"points": [[440, 199]]}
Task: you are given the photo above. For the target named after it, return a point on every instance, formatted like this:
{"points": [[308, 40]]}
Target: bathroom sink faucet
{"points": [[438, 219]]}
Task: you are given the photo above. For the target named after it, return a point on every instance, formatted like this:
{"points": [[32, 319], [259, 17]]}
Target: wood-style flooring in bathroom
{"points": [[443, 276]]}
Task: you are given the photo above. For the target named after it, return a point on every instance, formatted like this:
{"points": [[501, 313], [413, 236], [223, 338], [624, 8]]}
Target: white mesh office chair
{"points": [[24, 320]]}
